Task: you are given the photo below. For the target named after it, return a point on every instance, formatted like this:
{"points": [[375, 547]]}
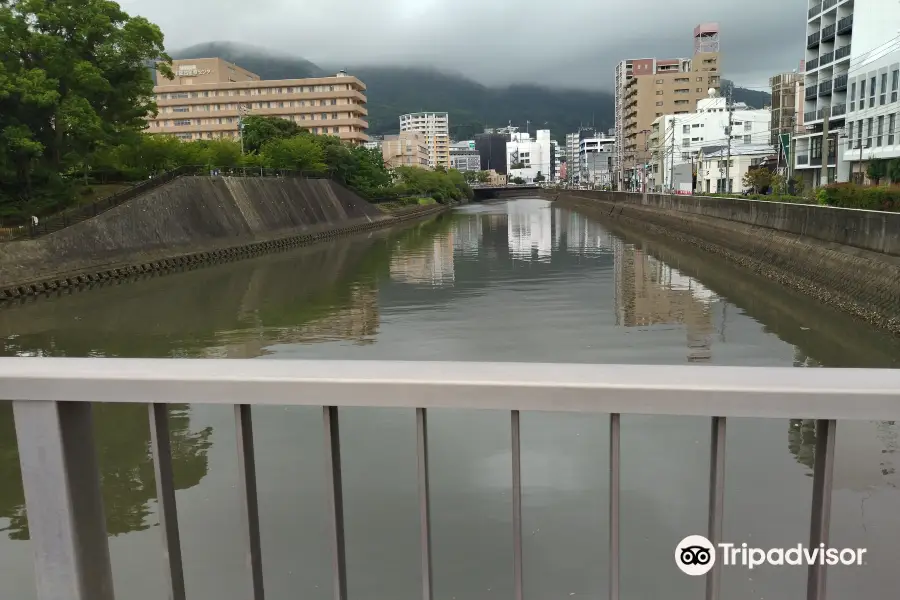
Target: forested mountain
{"points": [[393, 91]]}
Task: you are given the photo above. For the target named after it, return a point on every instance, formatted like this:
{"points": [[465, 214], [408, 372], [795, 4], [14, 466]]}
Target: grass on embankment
{"points": [[404, 203]]}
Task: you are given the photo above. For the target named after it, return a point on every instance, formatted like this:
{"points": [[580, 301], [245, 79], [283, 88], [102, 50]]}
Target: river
{"points": [[512, 281]]}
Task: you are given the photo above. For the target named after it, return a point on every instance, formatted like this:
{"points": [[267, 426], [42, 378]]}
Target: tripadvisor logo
{"points": [[696, 555]]}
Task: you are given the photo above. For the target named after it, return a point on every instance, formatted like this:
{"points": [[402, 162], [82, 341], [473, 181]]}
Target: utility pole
{"points": [[672, 168], [729, 106], [826, 114]]}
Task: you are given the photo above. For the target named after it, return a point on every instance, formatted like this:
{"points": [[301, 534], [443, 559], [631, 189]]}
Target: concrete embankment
{"points": [[190, 221], [849, 259]]}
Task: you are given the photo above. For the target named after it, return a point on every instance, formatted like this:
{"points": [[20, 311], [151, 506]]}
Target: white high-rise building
{"points": [[526, 157], [435, 126], [852, 71]]}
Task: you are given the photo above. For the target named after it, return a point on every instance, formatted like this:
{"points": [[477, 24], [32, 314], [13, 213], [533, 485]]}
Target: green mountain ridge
{"points": [[393, 91]]}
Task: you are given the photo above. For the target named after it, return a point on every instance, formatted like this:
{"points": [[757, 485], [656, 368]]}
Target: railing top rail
{"points": [[776, 392]]}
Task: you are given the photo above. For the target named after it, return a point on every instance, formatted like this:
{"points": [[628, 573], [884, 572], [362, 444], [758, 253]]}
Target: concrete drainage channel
{"points": [[195, 260]]}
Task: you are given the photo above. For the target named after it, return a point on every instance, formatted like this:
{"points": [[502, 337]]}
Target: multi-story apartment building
{"points": [[787, 105], [678, 140], [208, 97], [408, 149], [464, 156], [852, 74], [595, 160], [529, 157], [436, 128], [648, 88]]}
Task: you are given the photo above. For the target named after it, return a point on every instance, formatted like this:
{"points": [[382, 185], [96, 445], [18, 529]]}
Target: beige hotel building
{"points": [[208, 96]]}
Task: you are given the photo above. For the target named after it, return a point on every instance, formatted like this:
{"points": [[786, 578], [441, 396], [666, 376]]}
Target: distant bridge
{"points": [[490, 192]]}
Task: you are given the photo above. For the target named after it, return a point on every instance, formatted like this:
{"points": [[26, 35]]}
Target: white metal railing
{"points": [[52, 400]]}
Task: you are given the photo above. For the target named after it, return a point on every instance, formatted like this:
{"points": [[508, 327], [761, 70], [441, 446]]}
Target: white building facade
{"points": [[532, 155], [852, 73], [596, 161], [435, 126], [676, 141], [712, 171]]}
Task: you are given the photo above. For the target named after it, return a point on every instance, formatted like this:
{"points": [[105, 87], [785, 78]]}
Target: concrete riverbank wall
{"points": [[189, 221], [849, 259]]}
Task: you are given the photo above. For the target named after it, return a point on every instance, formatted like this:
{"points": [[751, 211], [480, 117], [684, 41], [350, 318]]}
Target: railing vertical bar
{"points": [[165, 494], [517, 505], [716, 501], [249, 497], [63, 502], [820, 521], [615, 421], [424, 501], [335, 493]]}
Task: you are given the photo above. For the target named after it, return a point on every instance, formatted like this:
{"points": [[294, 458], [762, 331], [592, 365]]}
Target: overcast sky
{"points": [[573, 43]]}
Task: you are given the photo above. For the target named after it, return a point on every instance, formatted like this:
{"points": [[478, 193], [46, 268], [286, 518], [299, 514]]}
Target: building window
{"points": [[181, 122], [748, 126], [859, 132], [335, 130], [659, 92], [862, 94], [850, 132], [880, 138], [882, 98], [686, 143], [872, 91], [747, 139], [869, 123], [686, 128], [685, 156], [658, 81], [852, 96], [699, 79], [891, 123], [895, 84], [333, 101], [181, 109], [659, 103]]}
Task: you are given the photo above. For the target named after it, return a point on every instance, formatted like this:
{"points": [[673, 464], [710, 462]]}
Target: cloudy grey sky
{"points": [[575, 43]]}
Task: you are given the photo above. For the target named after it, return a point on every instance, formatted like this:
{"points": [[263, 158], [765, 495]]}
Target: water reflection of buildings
{"points": [[355, 319], [430, 266], [580, 232], [467, 234], [649, 292], [529, 230]]}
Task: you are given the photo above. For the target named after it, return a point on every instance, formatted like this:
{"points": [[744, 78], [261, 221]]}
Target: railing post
{"points": [[820, 521], [165, 498], [249, 497], [335, 493], [424, 501], [64, 505], [517, 505], [615, 421], [716, 501]]}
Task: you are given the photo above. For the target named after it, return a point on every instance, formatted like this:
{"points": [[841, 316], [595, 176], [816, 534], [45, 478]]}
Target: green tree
{"points": [[300, 153], [758, 179], [877, 170], [894, 170], [258, 130], [517, 180], [539, 177], [74, 81]]}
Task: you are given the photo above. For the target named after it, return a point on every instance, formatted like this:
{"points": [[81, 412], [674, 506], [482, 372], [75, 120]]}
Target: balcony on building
{"points": [[815, 10], [812, 64], [812, 40], [845, 25], [838, 110], [810, 93], [825, 88], [828, 33], [809, 116], [802, 159], [826, 59], [828, 4], [840, 83], [842, 52]]}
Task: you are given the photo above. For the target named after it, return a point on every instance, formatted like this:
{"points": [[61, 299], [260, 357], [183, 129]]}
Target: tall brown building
{"points": [[647, 88], [208, 95]]}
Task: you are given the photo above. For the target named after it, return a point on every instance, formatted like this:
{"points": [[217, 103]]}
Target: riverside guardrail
{"points": [[52, 400], [86, 211]]}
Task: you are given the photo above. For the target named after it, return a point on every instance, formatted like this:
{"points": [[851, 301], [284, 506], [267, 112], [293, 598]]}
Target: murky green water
{"points": [[518, 281]]}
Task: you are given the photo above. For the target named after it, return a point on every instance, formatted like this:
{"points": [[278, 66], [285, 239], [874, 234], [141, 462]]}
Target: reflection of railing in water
{"points": [[62, 485]]}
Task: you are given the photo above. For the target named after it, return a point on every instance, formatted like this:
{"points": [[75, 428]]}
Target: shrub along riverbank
{"points": [[841, 195]]}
